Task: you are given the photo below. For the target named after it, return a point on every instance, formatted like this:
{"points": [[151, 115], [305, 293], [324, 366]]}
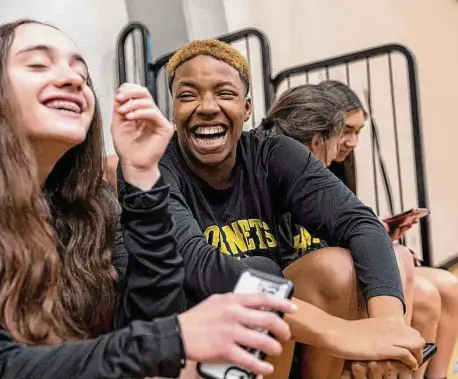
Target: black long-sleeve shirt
{"points": [[153, 274], [272, 176]]}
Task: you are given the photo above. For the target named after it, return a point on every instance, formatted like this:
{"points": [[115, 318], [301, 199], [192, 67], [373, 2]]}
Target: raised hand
{"points": [[140, 133]]}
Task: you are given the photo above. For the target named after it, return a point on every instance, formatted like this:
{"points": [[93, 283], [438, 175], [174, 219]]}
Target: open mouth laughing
{"points": [[209, 136], [69, 106]]}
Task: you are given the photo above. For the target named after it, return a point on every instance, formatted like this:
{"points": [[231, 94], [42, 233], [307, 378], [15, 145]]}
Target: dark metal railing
{"points": [[156, 81], [127, 31]]}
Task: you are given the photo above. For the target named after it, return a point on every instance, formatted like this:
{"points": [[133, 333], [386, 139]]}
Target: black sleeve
{"points": [[327, 208], [120, 257], [207, 270], [153, 281], [142, 349]]}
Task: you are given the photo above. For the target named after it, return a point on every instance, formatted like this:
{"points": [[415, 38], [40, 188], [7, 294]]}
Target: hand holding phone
{"points": [[407, 218], [428, 351], [251, 281]]}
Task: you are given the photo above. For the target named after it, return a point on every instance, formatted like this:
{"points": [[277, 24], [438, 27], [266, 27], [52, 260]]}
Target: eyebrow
{"points": [[187, 83], [225, 83], [47, 49], [354, 126], [193, 84]]}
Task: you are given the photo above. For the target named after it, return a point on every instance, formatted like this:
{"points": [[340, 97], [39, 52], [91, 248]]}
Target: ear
{"points": [[317, 141], [248, 108]]}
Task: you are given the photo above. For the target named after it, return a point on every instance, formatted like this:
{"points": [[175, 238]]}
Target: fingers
{"points": [[263, 320], [346, 375], [145, 114], [379, 370], [134, 104], [405, 356], [414, 345], [243, 358], [264, 300], [405, 374], [359, 370], [376, 370], [131, 91], [396, 370], [258, 340], [395, 234], [398, 232]]}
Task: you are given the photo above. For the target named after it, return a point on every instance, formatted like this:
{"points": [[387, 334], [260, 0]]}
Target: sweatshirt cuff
{"points": [[170, 347], [134, 199], [385, 291]]}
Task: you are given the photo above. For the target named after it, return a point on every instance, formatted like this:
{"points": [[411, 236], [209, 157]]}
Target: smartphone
{"points": [[251, 281], [407, 217], [428, 351]]}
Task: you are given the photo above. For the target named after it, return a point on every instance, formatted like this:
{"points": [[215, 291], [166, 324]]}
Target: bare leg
{"points": [[407, 270], [447, 285], [282, 363], [427, 305], [325, 278]]}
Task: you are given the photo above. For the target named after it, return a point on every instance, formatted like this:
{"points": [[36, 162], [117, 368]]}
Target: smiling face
{"points": [[48, 81], [354, 122], [210, 107]]}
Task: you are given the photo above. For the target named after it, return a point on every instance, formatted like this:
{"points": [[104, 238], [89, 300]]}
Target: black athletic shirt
{"points": [[152, 272], [272, 176]]}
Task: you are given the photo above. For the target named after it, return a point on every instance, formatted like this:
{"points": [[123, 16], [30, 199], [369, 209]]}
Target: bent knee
{"points": [[427, 300], [328, 270], [406, 264], [447, 285]]}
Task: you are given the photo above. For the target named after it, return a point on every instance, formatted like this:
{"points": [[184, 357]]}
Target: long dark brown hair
{"points": [[349, 101], [56, 278], [303, 112]]}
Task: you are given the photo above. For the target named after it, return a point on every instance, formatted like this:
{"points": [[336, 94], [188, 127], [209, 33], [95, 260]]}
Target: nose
{"points": [[65, 76], [352, 141], [208, 108]]}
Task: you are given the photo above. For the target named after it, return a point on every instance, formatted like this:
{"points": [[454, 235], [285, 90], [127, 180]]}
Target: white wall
{"points": [[204, 18], [303, 31], [94, 26]]}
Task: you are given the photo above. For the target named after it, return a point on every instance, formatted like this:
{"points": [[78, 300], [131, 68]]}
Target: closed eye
{"points": [[186, 96], [37, 65], [85, 78], [227, 94]]}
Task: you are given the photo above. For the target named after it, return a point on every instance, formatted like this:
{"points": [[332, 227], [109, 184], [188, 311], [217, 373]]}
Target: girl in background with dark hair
{"points": [[313, 116], [66, 282], [435, 309], [308, 115]]}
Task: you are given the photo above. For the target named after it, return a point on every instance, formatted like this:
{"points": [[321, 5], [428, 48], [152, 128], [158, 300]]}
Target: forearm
{"points": [[385, 306], [208, 271], [377, 268], [155, 272], [142, 179], [310, 325], [142, 349]]}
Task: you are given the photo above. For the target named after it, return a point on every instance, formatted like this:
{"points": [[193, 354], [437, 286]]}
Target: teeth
{"points": [[64, 104], [209, 130], [210, 141]]}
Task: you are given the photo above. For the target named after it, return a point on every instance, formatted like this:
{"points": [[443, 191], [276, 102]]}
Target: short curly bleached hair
{"points": [[212, 48]]}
